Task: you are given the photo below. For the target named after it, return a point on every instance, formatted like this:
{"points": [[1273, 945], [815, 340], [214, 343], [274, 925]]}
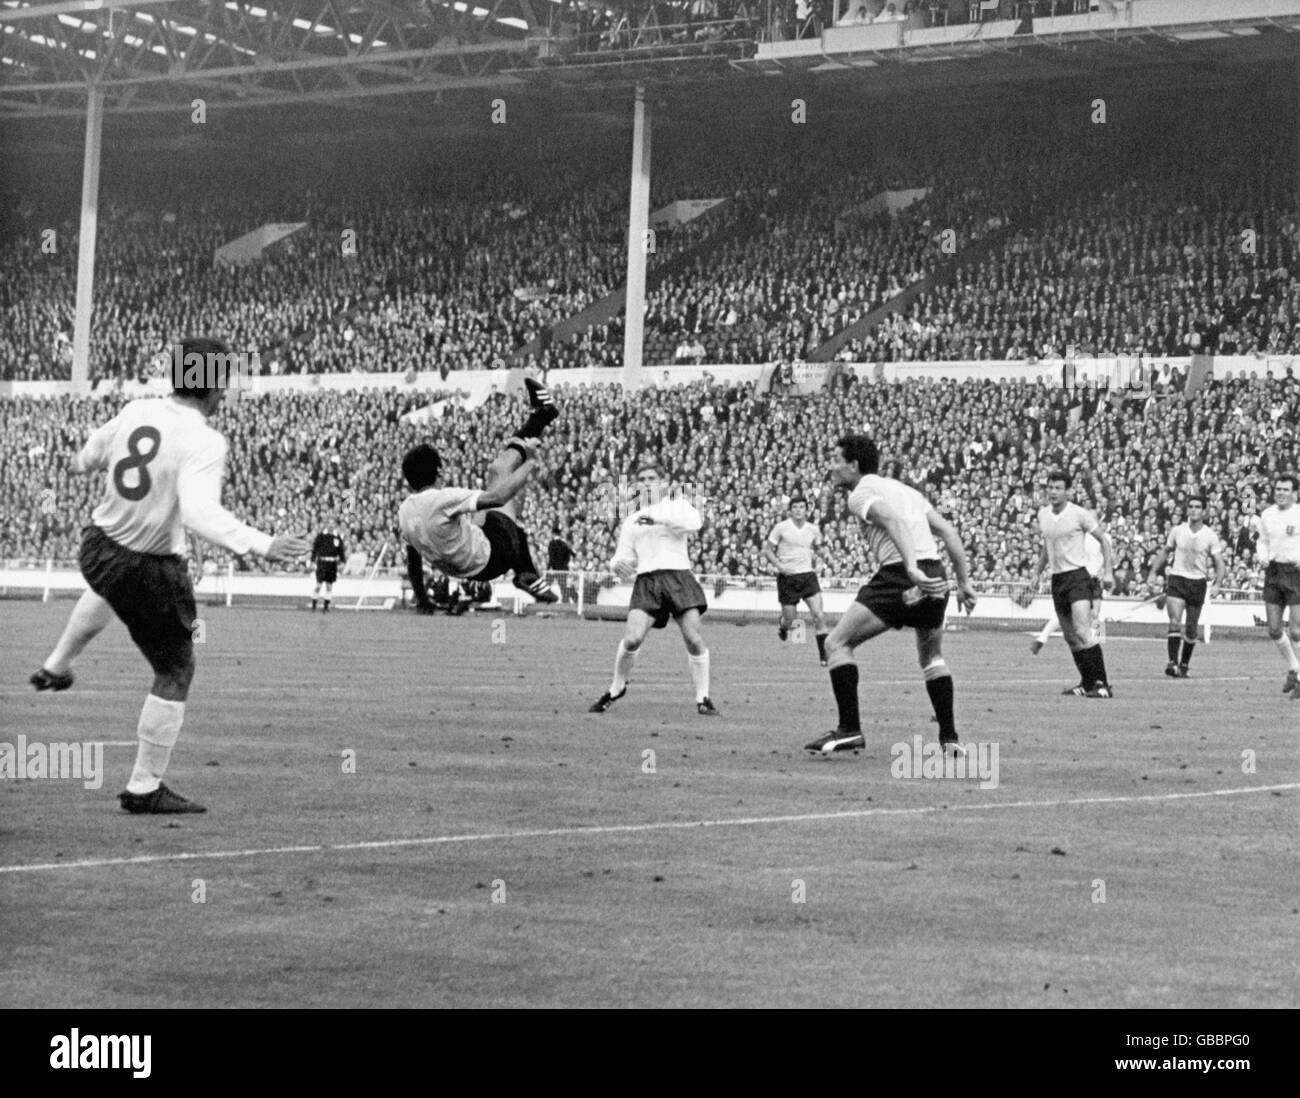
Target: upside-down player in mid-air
{"points": [[1278, 551], [789, 550], [437, 521], [908, 591], [652, 547], [1187, 582], [1066, 528], [166, 468]]}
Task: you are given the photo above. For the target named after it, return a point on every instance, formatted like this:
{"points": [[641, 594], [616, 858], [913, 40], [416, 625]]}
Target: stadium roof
{"points": [[153, 56], [157, 54]]}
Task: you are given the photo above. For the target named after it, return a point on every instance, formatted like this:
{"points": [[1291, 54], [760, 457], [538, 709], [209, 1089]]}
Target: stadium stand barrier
{"points": [[602, 596]]}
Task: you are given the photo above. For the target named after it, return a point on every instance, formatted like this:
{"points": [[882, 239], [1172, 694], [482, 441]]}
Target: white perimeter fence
{"points": [[603, 595]]}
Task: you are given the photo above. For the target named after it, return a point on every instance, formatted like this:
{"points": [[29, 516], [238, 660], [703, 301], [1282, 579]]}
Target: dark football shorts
{"points": [[509, 546], [666, 594], [1282, 584], [327, 571], [152, 594], [791, 589], [1070, 587], [1095, 588], [890, 595], [1191, 591]]}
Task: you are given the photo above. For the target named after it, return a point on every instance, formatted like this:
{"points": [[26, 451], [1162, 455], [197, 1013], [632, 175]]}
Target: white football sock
{"points": [[623, 662], [1287, 649], [159, 727], [700, 674]]}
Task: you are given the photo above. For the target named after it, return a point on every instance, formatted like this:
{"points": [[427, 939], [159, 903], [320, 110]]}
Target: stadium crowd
{"points": [[473, 262], [980, 449]]}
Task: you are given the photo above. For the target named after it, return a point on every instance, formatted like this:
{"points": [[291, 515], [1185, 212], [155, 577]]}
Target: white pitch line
{"points": [[632, 829], [135, 693], [969, 681]]}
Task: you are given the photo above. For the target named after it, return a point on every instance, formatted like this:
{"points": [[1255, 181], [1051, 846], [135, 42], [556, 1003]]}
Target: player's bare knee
{"points": [[1275, 633], [174, 683]]}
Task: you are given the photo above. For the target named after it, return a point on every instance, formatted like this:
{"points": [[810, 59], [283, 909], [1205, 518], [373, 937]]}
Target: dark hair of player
{"points": [[197, 345], [1290, 478], [798, 499], [647, 463], [1062, 476], [1196, 497], [861, 449], [421, 467]]}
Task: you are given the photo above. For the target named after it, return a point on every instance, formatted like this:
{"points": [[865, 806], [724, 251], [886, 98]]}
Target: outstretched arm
{"points": [[957, 554], [415, 573], [769, 555], [1220, 569], [1157, 563], [199, 488], [624, 560], [1107, 555]]}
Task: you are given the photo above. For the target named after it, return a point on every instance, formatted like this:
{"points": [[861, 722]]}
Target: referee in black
{"points": [[326, 552]]}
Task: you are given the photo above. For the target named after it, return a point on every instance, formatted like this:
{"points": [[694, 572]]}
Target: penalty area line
{"points": [[633, 829]]}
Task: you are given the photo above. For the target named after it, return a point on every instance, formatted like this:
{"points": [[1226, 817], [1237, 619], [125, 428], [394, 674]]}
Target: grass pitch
{"points": [[498, 845]]}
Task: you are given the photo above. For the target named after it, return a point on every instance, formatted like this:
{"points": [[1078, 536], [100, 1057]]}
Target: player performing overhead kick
{"points": [[441, 523], [908, 591], [166, 467]]}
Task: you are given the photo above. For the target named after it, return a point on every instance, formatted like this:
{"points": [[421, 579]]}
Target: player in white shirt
{"points": [[789, 550], [1195, 547], [165, 467], [1094, 560], [908, 591], [1278, 551], [441, 524], [652, 547], [1066, 528]]}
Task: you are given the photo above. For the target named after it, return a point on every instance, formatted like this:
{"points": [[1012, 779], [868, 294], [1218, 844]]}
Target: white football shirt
{"points": [[1279, 535], [793, 545], [654, 548], [1066, 536], [165, 467], [1192, 552], [908, 504], [438, 523]]}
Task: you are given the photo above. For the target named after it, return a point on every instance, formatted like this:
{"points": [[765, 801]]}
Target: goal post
{"points": [[363, 600]]}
